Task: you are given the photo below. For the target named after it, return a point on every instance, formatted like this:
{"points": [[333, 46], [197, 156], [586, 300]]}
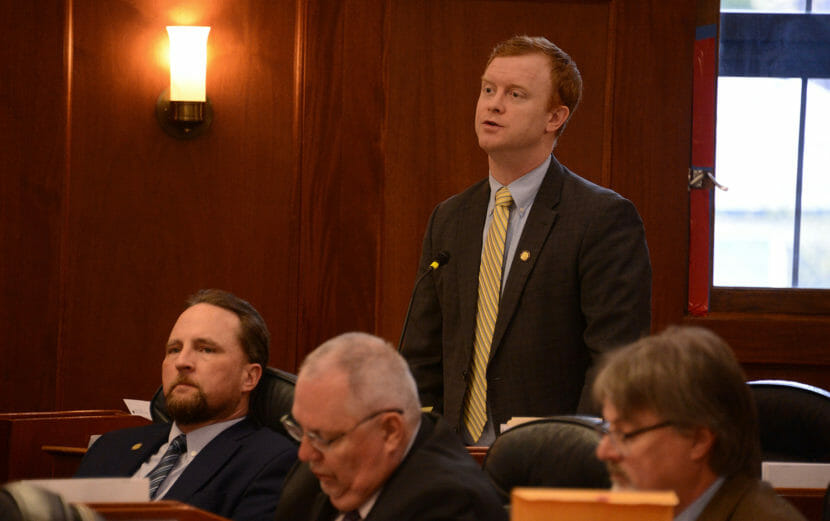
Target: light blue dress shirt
{"points": [[693, 511], [196, 441], [523, 190]]}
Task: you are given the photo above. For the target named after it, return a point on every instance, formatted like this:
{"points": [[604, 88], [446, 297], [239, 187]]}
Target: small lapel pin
{"points": [[524, 255], [136, 446]]}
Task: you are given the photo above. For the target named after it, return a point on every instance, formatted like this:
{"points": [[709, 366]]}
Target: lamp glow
{"points": [[188, 62], [184, 110]]}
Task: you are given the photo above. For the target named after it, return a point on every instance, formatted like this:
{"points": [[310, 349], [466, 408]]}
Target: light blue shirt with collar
{"points": [[523, 190], [196, 441], [693, 511]]}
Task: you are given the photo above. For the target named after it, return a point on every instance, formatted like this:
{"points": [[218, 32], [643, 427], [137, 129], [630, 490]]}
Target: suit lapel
{"points": [[209, 460], [469, 233], [323, 510], [723, 503], [141, 450], [536, 231]]}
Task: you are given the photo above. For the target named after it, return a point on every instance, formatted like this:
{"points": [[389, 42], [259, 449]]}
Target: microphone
{"points": [[441, 258]]}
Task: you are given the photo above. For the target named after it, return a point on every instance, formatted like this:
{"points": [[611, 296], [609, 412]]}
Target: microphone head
{"points": [[442, 257]]}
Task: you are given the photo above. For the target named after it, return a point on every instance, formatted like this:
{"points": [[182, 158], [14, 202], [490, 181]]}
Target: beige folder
{"points": [[567, 504]]}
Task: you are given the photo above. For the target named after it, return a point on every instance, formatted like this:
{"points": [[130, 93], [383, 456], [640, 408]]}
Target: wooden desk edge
{"points": [[61, 450], [153, 510]]}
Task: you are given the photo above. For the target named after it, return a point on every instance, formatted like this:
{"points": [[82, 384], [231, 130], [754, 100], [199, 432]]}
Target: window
{"points": [[772, 227]]}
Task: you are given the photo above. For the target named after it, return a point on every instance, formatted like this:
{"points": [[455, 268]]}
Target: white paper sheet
{"points": [[97, 490]]}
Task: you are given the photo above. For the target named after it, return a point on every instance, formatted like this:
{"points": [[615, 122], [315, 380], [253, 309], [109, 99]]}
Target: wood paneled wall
{"points": [[338, 126]]}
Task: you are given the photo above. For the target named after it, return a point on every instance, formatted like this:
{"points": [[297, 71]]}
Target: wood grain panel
{"points": [[437, 53], [153, 219], [338, 127], [788, 347], [22, 436], [32, 133], [342, 168], [652, 137]]}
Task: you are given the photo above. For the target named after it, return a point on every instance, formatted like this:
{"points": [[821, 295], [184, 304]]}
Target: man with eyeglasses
{"points": [[366, 450], [679, 416]]}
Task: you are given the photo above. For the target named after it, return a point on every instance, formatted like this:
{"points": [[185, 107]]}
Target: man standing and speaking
{"points": [[547, 270]]}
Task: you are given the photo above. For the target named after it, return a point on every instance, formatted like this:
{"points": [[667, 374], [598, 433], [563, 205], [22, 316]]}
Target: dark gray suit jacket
{"points": [[237, 475], [583, 287], [437, 480]]}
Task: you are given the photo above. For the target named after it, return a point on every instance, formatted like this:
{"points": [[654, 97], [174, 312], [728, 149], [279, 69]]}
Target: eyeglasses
{"points": [[318, 442], [620, 439]]}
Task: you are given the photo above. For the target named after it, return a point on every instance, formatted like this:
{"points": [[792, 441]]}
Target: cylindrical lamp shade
{"points": [[188, 62]]}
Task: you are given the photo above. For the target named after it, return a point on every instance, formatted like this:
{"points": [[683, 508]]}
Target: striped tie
{"points": [[489, 290], [168, 461]]}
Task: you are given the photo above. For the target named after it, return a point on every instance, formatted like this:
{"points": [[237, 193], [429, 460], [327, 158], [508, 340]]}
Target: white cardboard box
{"points": [[790, 474]]}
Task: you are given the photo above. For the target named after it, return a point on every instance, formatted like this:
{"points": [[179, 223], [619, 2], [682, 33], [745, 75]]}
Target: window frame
{"points": [[800, 301]]}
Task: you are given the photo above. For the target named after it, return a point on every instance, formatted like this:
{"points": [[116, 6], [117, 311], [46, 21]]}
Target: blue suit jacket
{"points": [[238, 475]]}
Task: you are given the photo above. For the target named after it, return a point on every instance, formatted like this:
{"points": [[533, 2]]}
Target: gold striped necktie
{"points": [[489, 290]]}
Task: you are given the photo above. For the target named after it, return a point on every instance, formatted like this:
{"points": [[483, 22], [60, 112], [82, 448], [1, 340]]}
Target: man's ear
{"points": [[394, 429], [250, 377], [558, 117], [702, 441]]}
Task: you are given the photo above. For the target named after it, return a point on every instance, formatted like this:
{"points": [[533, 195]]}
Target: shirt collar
{"points": [[523, 190], [694, 510], [199, 438]]}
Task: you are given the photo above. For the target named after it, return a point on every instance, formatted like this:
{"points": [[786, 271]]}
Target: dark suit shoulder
{"points": [[121, 452], [438, 480], [261, 439], [152, 429], [475, 193], [743, 498], [573, 186]]}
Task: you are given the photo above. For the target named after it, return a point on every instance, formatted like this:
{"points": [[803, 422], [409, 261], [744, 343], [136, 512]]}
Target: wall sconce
{"points": [[184, 110]]}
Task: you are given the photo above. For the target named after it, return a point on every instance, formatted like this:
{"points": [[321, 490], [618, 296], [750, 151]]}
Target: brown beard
{"points": [[191, 410]]}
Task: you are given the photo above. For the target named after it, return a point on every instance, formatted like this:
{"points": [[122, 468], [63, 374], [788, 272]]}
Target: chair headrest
{"points": [[300, 491], [794, 420], [559, 451], [272, 398]]}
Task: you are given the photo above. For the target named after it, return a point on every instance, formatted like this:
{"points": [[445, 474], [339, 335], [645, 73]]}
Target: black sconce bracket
{"points": [[183, 119]]}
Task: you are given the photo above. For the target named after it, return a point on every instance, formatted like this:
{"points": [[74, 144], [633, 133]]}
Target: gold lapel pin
{"points": [[136, 446], [524, 255]]}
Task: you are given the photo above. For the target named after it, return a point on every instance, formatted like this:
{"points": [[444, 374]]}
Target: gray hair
{"points": [[689, 376], [378, 376]]}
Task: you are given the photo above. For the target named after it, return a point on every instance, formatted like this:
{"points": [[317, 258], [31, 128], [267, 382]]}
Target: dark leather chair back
{"points": [[551, 452], [299, 492], [794, 420], [272, 398], [21, 501], [825, 514]]}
